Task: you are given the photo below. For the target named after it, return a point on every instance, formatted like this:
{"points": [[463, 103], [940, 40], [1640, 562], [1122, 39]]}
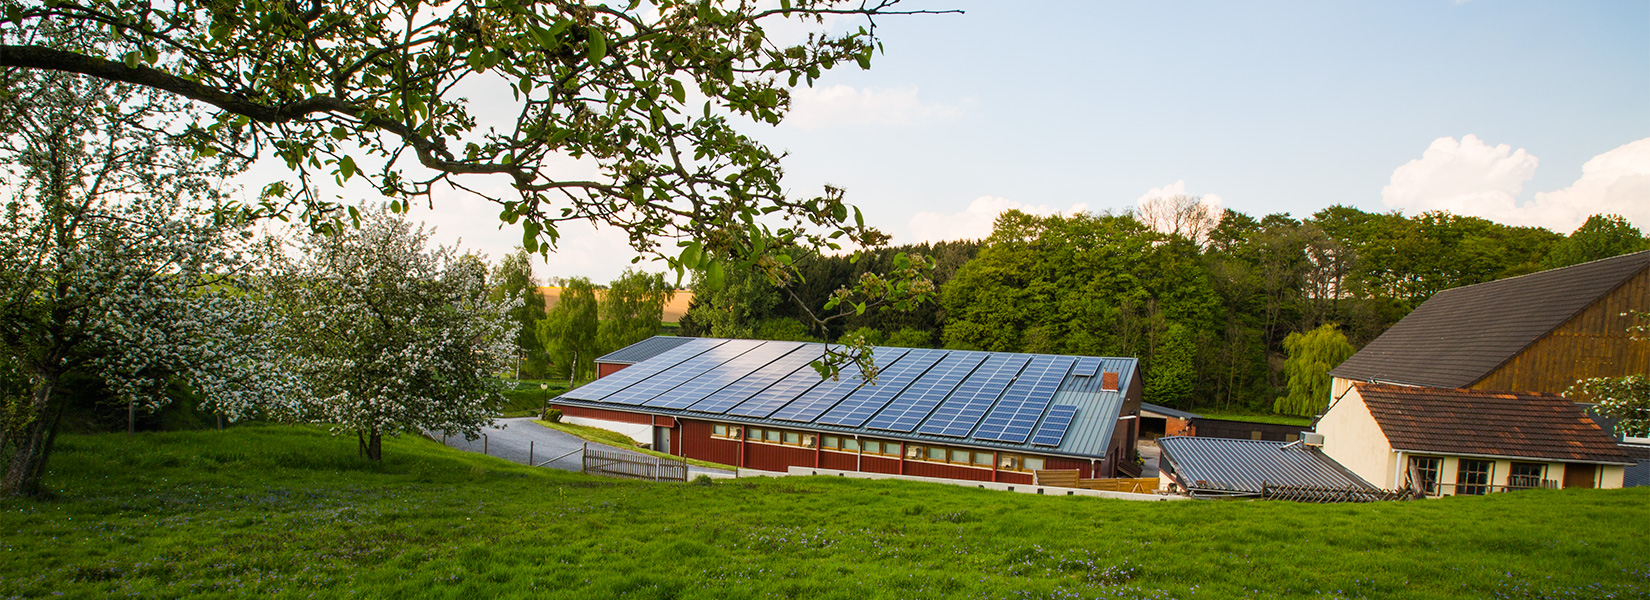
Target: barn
{"points": [[954, 414]]}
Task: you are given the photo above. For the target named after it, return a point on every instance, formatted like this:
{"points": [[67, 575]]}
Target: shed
{"points": [[1224, 467]]}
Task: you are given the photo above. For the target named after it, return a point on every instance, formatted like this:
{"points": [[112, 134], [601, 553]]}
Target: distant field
{"points": [[673, 312], [1259, 418], [292, 512]]}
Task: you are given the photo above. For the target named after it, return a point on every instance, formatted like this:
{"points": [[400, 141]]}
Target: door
{"points": [[1578, 476]]}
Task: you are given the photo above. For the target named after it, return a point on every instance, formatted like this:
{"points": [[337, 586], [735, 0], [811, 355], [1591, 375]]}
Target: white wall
{"points": [[1352, 438]]}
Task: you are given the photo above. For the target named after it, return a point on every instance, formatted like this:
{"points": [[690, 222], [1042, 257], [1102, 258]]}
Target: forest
{"points": [[1213, 304]]}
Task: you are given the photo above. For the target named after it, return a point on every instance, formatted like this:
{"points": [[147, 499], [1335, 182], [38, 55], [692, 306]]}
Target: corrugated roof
{"points": [[1485, 423], [788, 394], [642, 350], [1461, 335], [1638, 474], [1222, 466]]}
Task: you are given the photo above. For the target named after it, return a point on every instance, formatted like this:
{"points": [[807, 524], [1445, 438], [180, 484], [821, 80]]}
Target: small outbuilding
{"points": [[1230, 468]]}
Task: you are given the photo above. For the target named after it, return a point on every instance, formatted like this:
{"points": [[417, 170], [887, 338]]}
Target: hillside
{"points": [[291, 512]]}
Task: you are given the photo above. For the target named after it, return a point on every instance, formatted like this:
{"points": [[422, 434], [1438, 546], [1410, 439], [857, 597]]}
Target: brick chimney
{"points": [[1108, 381]]}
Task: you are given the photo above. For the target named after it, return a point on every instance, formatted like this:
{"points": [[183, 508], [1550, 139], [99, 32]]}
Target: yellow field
{"points": [[673, 312]]}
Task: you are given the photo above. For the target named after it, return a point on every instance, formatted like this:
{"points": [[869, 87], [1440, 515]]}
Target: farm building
{"points": [[1538, 332], [981, 416], [1231, 468], [1447, 441]]}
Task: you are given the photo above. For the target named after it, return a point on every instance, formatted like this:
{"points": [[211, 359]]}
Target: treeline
{"points": [[587, 321], [1207, 306]]}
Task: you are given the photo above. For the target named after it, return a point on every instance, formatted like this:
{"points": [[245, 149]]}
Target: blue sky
{"points": [[1484, 107]]}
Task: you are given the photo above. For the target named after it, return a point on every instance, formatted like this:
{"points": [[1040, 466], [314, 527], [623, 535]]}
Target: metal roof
{"points": [[642, 350], [1638, 474], [764, 384], [1228, 467], [1168, 412]]}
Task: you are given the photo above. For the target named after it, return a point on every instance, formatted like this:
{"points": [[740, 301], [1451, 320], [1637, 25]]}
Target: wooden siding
{"points": [[605, 369], [1594, 343]]}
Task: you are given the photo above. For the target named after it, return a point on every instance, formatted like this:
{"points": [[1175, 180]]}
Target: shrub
{"points": [[552, 415]]}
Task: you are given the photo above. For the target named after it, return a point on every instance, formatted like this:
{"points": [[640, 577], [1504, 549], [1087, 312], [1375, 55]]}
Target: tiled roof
{"points": [[642, 350], [1477, 422], [1461, 335], [1238, 467]]}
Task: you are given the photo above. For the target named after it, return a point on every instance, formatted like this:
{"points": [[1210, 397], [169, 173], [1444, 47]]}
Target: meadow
{"points": [[292, 512]]}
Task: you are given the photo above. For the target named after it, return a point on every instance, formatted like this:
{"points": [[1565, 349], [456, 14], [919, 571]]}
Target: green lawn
{"points": [[619, 440], [1273, 418], [291, 512]]}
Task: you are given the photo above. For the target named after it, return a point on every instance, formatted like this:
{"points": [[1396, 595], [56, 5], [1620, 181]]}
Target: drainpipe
{"points": [[859, 455], [994, 459], [1092, 467], [1397, 471], [902, 458]]}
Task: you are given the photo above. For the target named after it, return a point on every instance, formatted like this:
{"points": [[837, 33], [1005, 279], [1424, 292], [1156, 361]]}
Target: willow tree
{"points": [[568, 331], [1311, 356]]}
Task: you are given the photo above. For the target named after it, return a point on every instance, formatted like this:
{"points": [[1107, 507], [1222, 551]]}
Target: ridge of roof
{"points": [[1461, 335], [1532, 425]]}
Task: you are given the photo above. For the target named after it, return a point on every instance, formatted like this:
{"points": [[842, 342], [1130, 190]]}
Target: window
{"points": [[832, 442], [1526, 475], [1254, 435], [936, 454], [1033, 463], [872, 446], [1473, 477], [962, 457], [753, 434], [719, 430], [770, 435], [982, 459], [1424, 473], [793, 438], [850, 445]]}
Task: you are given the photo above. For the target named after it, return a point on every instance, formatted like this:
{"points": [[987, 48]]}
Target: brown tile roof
{"points": [[1511, 424], [1461, 335]]}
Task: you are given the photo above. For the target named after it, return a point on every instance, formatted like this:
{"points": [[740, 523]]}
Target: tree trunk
{"points": [[33, 447], [375, 446]]}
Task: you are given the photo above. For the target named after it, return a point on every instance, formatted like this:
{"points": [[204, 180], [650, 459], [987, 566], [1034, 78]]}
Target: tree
{"points": [[1171, 376], [377, 90], [513, 283], [390, 336], [1311, 356], [1602, 236], [114, 264], [569, 331], [631, 309], [1186, 216], [1627, 398]]}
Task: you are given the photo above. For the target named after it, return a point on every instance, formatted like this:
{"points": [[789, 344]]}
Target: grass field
{"points": [[619, 440], [291, 512], [1255, 417]]}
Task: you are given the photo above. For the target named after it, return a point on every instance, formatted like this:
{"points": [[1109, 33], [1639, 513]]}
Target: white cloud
{"points": [[975, 222], [836, 105], [1470, 177], [1178, 188]]}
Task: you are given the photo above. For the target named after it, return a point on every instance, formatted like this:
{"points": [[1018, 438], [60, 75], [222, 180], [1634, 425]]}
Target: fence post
{"points": [[484, 445], [584, 458], [529, 452]]}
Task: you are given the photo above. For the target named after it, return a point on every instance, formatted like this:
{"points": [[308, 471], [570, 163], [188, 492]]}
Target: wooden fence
{"points": [[625, 464], [1071, 478]]}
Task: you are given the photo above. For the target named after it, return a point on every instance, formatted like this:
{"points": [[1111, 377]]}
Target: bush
{"points": [[703, 479], [552, 415]]}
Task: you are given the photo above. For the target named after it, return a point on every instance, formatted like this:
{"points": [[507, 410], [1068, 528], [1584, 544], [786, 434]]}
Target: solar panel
{"points": [[682, 373], [606, 386], [910, 408], [866, 401], [776, 371], [1055, 425], [958, 415], [1086, 367], [821, 397], [1012, 419], [719, 377]]}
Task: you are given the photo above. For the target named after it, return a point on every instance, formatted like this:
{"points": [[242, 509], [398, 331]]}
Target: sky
{"points": [[1526, 113]]}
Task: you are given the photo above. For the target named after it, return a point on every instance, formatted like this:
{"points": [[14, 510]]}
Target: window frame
{"points": [[1481, 479], [1429, 485]]}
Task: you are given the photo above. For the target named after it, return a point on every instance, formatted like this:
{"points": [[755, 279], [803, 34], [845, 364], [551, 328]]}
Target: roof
{"points": [[1638, 474], [1461, 335], [1033, 403], [1168, 412], [642, 350], [1226, 467], [1486, 423]]}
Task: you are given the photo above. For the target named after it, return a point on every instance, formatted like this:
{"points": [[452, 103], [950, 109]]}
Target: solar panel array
{"points": [[986, 396], [1055, 425]]}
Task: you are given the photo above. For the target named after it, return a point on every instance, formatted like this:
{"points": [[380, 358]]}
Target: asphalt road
{"points": [[514, 439]]}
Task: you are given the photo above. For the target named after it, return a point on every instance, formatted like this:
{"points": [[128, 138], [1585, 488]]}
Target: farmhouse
{"points": [[1538, 332], [982, 416], [1445, 441]]}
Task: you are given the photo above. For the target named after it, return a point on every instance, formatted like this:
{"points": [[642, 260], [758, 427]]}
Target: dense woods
{"points": [[1209, 308]]}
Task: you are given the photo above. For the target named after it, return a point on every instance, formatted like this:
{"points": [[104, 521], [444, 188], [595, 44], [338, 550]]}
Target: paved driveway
{"points": [[513, 439]]}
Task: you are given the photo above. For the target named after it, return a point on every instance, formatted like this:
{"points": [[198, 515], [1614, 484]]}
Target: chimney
{"points": [[1108, 382]]}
